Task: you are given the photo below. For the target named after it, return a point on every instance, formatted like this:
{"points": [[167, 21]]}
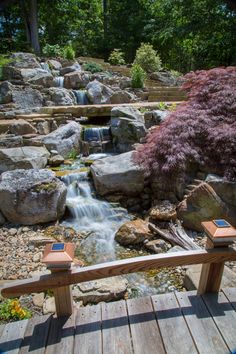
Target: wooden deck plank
{"points": [[35, 337], [145, 333], [61, 335], [115, 328], [201, 325], [12, 337], [224, 316], [88, 335], [173, 328], [230, 293]]}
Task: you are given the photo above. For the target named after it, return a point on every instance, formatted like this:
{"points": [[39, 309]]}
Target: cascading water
{"points": [[45, 67], [97, 139], [81, 97], [98, 221], [59, 81]]}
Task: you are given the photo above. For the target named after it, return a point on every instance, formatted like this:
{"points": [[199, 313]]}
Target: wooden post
{"points": [[211, 273], [63, 298]]}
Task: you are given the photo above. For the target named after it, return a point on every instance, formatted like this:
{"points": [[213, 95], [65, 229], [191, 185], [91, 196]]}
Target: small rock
{"points": [[38, 299], [164, 211], [12, 232], [133, 232], [156, 246], [37, 257], [49, 305]]}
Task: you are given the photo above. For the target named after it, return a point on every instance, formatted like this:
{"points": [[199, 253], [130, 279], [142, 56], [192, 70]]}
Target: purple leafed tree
{"points": [[201, 133]]}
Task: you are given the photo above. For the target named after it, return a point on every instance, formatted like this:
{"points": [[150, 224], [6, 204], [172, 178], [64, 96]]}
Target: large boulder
{"points": [[26, 157], [165, 78], [133, 232], [226, 190], [54, 64], [154, 117], [31, 197], [118, 175], [127, 128], [10, 141], [22, 127], [68, 69], [64, 139], [24, 60], [6, 89], [27, 97], [202, 204], [43, 78], [76, 80], [61, 97], [122, 97], [98, 93]]}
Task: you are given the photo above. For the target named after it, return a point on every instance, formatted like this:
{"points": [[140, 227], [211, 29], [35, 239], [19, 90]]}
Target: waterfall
{"points": [[45, 66], [59, 81], [96, 139], [93, 216], [81, 97]]}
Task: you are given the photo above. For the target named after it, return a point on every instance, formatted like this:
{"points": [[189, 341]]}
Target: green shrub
{"points": [[147, 58], [116, 57], [138, 76], [12, 310], [52, 50], [73, 154], [93, 67], [3, 62], [69, 53]]}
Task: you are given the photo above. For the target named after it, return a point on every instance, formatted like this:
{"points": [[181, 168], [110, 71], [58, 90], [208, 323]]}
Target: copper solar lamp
{"points": [[220, 233], [58, 257]]}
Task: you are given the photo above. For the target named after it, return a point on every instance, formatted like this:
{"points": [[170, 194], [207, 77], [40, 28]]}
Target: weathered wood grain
{"points": [[230, 293], [61, 335], [201, 325], [115, 328], [12, 337], [145, 333], [88, 335], [224, 317], [137, 264], [174, 331], [35, 337]]}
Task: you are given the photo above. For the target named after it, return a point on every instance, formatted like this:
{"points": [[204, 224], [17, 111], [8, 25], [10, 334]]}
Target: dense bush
{"points": [[69, 53], [116, 57], [52, 50], [201, 132], [93, 67], [4, 61], [138, 76], [147, 58]]}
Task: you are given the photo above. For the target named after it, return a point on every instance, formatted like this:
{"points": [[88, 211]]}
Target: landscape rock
{"points": [[10, 141], [6, 89], [154, 117], [201, 204], [22, 127], [31, 197], [54, 64], [64, 139], [226, 190], [127, 112], [24, 60], [118, 174], [165, 78], [76, 80], [26, 157], [68, 69], [26, 97], [133, 232], [49, 306], [98, 93], [43, 128], [156, 246], [121, 97], [125, 82], [163, 211], [109, 289], [2, 219], [38, 299], [61, 96], [43, 78], [55, 160]]}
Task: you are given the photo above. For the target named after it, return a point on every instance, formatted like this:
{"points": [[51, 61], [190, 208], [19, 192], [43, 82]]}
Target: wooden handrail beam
{"points": [[105, 270]]}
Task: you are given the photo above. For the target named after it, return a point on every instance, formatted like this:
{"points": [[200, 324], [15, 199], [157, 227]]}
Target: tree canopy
{"points": [[188, 35]]}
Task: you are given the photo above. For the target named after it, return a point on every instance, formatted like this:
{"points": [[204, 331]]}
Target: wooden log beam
{"points": [[110, 269]]}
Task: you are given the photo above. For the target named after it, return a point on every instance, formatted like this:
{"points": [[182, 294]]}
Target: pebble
{"points": [[12, 232]]}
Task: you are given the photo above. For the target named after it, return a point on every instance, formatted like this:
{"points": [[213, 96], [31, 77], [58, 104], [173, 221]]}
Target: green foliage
{"points": [[69, 53], [12, 310], [73, 154], [93, 67], [147, 58], [4, 60], [138, 76], [162, 106], [52, 50], [116, 57]]}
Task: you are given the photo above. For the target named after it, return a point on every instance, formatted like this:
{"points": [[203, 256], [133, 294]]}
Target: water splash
{"points": [[81, 97], [59, 81]]}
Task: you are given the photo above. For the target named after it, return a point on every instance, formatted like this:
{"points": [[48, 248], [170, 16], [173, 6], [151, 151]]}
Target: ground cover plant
{"points": [[201, 132]]}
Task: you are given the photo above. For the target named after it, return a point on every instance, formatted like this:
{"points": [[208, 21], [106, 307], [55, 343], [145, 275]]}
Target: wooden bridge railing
{"points": [[212, 258]]}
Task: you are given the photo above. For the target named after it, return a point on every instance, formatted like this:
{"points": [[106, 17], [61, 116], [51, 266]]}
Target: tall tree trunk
{"points": [[33, 19], [26, 20], [105, 26]]}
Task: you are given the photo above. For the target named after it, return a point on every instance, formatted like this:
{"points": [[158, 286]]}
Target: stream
{"points": [[99, 221]]}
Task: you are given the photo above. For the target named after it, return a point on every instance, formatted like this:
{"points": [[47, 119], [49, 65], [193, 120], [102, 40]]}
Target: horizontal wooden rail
{"points": [[105, 270]]}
